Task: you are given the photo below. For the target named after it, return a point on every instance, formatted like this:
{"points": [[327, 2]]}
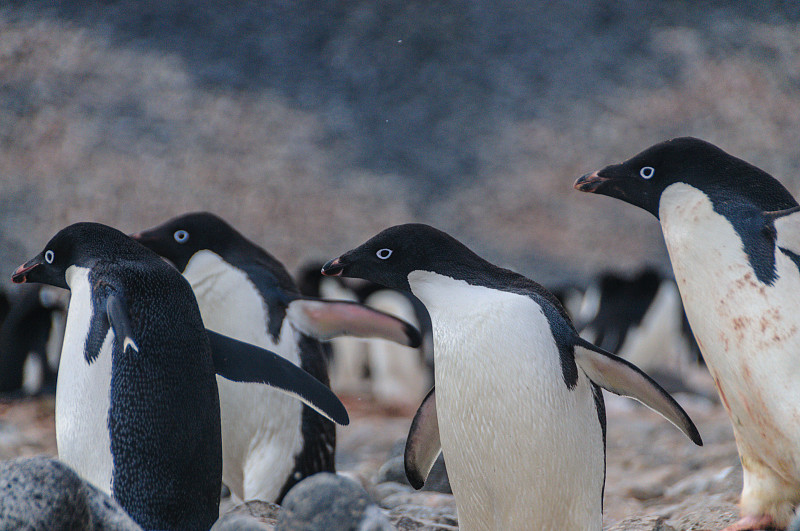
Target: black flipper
{"points": [[786, 231], [242, 362], [624, 378], [118, 317], [423, 445]]}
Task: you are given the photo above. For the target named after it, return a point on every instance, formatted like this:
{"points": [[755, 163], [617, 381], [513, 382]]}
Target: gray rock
{"points": [[253, 515], [375, 520], [239, 522], [44, 493], [382, 491], [327, 502], [394, 470]]}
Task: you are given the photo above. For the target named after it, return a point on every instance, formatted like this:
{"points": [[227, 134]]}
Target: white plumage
{"points": [[522, 450]]}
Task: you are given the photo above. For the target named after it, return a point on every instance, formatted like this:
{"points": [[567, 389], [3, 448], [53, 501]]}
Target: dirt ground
{"points": [[655, 475]]}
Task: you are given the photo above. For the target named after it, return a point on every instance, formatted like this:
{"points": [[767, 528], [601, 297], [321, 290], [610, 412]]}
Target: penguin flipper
{"points": [[787, 228], [242, 362], [326, 319], [423, 445], [118, 317], [624, 378]]}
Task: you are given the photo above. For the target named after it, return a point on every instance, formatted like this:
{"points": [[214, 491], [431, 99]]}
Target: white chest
{"points": [[261, 427], [517, 442], [748, 331], [83, 392]]}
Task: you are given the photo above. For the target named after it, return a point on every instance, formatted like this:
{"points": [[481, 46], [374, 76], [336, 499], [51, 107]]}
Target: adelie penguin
{"points": [[731, 233], [137, 411], [269, 442], [516, 408]]}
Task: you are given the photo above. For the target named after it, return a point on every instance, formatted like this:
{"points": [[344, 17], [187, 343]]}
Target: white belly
{"points": [[519, 446], [261, 427], [747, 331], [83, 392]]}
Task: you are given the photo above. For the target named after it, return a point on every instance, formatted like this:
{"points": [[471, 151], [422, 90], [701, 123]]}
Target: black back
{"points": [[624, 301], [164, 414], [206, 231]]}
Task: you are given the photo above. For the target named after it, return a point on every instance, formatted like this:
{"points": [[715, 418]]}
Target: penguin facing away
{"points": [[514, 385], [731, 233], [269, 441], [137, 411]]}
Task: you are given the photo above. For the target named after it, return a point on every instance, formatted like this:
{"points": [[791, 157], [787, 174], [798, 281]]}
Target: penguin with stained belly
{"points": [[137, 411], [731, 233], [269, 441], [516, 408]]}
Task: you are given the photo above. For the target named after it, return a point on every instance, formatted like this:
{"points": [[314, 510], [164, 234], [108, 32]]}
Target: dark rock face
{"points": [[44, 493], [330, 502]]}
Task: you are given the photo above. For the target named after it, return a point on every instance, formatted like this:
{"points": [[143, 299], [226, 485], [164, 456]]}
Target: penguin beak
{"points": [[21, 273], [590, 182], [333, 268]]}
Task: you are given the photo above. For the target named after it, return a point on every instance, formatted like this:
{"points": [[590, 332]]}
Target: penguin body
{"points": [[269, 441], [516, 409], [738, 286], [263, 428], [472, 379], [137, 410]]}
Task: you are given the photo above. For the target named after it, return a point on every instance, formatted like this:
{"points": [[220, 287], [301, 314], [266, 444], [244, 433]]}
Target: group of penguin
{"points": [[161, 389]]}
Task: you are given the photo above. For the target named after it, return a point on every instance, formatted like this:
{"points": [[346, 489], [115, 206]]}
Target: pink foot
{"points": [[752, 523]]}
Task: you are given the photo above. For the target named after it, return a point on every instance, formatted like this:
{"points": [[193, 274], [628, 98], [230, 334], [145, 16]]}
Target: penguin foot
{"points": [[753, 523]]}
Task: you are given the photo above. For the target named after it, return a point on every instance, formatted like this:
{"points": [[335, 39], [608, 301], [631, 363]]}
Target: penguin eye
{"points": [[647, 172], [181, 236], [49, 256], [383, 254]]}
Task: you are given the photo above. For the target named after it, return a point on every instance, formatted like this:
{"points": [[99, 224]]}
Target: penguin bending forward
{"points": [[269, 441], [516, 408], [137, 411], [732, 235]]}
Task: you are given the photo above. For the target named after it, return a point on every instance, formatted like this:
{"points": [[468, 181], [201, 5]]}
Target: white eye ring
{"points": [[49, 256], [181, 236], [383, 254], [647, 172]]}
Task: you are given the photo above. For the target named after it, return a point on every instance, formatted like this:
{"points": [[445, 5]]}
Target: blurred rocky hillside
{"points": [[311, 125]]}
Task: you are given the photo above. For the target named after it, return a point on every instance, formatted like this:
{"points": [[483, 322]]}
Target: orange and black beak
{"points": [[590, 182], [333, 268], [20, 275]]}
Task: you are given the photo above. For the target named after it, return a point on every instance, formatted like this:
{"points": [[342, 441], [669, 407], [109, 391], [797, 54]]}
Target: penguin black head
{"points": [[700, 164], [390, 256], [182, 237], [82, 245]]}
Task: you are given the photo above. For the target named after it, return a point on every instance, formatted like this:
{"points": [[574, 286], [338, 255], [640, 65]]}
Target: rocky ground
{"points": [[657, 479]]}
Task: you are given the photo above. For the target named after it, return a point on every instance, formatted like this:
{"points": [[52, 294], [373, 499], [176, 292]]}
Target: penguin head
{"points": [[641, 179], [182, 237], [82, 245], [389, 257]]}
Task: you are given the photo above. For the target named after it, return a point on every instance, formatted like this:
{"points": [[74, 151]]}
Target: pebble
{"points": [[330, 502], [44, 493]]}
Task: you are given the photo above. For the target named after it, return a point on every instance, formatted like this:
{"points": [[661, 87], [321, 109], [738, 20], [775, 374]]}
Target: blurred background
{"points": [[311, 125]]}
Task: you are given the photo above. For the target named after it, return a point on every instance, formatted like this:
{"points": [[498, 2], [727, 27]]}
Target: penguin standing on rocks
{"points": [[269, 441], [137, 411], [731, 233], [516, 409]]}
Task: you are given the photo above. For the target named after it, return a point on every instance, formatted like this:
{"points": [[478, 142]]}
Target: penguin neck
{"points": [[77, 277], [443, 295]]}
